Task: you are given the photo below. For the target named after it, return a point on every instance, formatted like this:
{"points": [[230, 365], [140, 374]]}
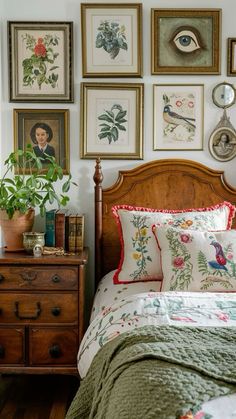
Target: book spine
{"points": [[79, 240], [50, 228], [67, 217], [72, 233], [60, 230]]}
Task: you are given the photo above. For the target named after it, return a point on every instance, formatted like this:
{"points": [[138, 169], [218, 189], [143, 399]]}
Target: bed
{"points": [[162, 346]]}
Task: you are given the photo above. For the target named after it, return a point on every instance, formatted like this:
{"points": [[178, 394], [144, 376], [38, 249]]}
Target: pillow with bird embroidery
{"points": [[139, 259], [194, 260]]}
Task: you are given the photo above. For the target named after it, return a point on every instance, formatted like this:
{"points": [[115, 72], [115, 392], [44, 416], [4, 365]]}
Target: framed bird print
{"points": [[178, 116], [185, 41]]}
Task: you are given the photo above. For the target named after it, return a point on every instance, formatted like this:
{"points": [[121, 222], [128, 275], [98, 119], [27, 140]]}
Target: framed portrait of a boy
{"points": [[46, 130], [40, 61]]}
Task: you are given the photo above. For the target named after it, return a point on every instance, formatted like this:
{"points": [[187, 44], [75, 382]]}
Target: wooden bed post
{"points": [[98, 178]]}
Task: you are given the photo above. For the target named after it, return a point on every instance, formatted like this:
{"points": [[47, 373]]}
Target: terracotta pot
{"points": [[14, 228]]}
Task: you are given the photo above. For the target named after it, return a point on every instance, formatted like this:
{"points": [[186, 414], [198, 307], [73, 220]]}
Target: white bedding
{"points": [[167, 308], [108, 293]]}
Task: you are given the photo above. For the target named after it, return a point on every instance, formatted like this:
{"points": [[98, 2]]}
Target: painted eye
{"points": [[187, 40]]}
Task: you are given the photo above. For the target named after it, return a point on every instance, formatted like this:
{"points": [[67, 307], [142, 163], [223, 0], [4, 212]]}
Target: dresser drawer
{"points": [[38, 308], [54, 346], [38, 277], [11, 346]]}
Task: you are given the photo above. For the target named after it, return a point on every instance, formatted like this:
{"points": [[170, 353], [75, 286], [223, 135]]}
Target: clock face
{"points": [[223, 95]]}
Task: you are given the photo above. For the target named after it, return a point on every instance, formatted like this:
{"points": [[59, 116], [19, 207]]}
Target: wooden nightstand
{"points": [[41, 312]]}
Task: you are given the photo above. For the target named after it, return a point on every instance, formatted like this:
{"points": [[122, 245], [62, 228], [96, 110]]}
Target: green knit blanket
{"points": [[159, 373]]}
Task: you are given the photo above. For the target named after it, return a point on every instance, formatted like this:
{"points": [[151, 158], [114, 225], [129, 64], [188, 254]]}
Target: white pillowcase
{"points": [[139, 259], [197, 260]]}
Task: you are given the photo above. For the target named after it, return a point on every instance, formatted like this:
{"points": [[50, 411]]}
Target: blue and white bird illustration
{"points": [[173, 118], [221, 260]]}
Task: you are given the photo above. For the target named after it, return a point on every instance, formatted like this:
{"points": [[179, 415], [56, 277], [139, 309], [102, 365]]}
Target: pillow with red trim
{"points": [[139, 259], [197, 260]]}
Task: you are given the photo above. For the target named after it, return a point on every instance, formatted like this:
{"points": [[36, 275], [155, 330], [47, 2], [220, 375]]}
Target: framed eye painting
{"points": [[111, 40], [40, 61], [112, 120], [178, 116], [185, 41]]}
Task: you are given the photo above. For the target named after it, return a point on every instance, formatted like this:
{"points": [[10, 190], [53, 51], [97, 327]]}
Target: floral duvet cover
{"points": [[159, 309]]}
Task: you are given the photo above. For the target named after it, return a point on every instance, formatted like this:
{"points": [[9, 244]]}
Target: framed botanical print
{"points": [[186, 41], [178, 116], [112, 120], [40, 61], [47, 130], [111, 39], [231, 62]]}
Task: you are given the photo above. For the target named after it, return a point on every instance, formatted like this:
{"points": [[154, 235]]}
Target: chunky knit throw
{"points": [[157, 373]]}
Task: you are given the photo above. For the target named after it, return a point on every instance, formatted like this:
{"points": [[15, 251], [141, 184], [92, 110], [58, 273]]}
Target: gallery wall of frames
{"points": [[125, 81]]}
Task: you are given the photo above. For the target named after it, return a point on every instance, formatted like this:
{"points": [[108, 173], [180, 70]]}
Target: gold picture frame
{"points": [[40, 61], [231, 57], [185, 41], [178, 116], [54, 123], [111, 39], [112, 120]]}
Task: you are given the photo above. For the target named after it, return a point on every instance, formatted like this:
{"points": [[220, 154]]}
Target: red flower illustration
{"points": [[178, 103], [185, 238], [39, 49], [178, 262]]}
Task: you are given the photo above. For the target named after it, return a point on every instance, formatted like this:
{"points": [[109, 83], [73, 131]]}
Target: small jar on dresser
{"points": [[41, 312]]}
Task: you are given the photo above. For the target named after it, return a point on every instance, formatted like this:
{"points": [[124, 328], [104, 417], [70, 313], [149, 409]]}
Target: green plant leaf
{"points": [[103, 135], [105, 118], [121, 127]]}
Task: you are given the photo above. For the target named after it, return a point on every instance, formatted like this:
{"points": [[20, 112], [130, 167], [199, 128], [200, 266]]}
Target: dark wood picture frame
{"points": [[40, 61], [54, 121], [231, 57]]}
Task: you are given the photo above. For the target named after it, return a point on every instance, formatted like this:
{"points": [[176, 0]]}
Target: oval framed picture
{"points": [[222, 144]]}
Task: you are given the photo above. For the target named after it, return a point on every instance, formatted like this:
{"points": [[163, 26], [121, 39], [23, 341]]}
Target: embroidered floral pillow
{"points": [[139, 259], [197, 260]]}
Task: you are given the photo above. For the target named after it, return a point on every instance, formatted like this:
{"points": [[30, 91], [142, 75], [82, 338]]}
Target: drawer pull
{"points": [[2, 351], [1, 277], [37, 314], [29, 276], [56, 278], [0, 311], [56, 311], [55, 351]]}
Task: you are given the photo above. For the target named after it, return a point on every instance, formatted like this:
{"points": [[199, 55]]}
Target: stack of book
{"points": [[64, 230]]}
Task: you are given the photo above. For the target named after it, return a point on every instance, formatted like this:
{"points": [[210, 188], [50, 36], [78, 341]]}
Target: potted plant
{"points": [[31, 186]]}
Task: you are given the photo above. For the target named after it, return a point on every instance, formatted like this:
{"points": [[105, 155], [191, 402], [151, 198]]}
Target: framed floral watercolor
{"points": [[185, 41], [40, 61], [231, 62], [111, 40], [47, 130], [112, 120], [178, 116]]}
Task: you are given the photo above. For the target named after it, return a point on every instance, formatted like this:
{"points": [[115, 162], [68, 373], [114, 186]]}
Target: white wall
{"points": [[82, 170]]}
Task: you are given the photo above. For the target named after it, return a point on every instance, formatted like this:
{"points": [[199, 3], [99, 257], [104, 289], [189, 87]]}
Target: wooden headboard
{"points": [[167, 183]]}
